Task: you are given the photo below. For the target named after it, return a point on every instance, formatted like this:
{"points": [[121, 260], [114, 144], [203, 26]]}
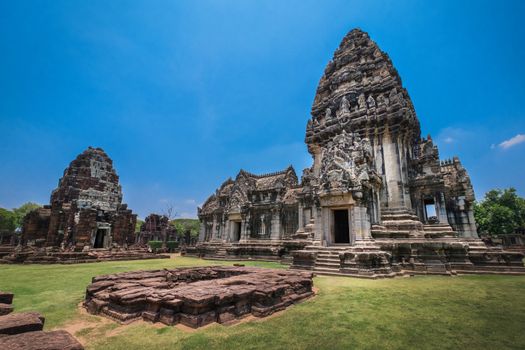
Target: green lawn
{"points": [[474, 312]]}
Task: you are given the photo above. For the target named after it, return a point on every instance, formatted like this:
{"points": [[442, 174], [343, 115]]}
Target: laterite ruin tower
{"points": [[86, 208]]}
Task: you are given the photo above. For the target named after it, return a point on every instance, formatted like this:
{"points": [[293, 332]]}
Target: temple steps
{"points": [[330, 272]]}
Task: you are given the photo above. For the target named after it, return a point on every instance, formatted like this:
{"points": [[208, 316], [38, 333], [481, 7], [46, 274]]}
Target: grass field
{"points": [[474, 312]]}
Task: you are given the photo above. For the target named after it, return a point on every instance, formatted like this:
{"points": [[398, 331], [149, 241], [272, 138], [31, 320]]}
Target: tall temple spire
{"points": [[362, 90]]}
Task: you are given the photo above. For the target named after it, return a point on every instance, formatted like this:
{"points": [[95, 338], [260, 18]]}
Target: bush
{"points": [[172, 245], [154, 245]]}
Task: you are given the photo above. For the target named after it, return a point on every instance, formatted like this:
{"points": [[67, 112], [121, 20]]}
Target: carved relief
{"points": [[346, 163]]}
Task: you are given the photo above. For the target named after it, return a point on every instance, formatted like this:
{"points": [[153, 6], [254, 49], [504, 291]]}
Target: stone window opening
{"points": [[430, 211]]}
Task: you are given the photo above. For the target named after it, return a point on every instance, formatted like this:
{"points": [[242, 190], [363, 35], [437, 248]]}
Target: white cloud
{"points": [[451, 135], [519, 138]]}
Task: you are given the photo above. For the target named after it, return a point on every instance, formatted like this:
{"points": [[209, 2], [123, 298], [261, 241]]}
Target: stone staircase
{"points": [[438, 230], [398, 223], [328, 262]]}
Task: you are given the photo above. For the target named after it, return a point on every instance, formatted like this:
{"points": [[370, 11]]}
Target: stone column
{"points": [[228, 232], [300, 216], [441, 209], [318, 231], [245, 233], [359, 224], [275, 232], [202, 231], [214, 229], [326, 223], [473, 232], [243, 230], [392, 173]]}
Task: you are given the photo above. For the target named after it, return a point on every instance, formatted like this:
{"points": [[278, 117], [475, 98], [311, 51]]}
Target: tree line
{"points": [[500, 212], [11, 220]]}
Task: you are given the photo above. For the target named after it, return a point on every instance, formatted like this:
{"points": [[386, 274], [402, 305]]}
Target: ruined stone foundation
{"points": [[196, 296]]}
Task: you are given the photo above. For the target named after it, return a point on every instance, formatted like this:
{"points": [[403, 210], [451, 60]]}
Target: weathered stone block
{"points": [[38, 340], [5, 309], [16, 323]]}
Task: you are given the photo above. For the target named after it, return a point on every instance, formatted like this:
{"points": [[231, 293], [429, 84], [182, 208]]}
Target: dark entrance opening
{"points": [[236, 230], [341, 228], [430, 211], [99, 239]]}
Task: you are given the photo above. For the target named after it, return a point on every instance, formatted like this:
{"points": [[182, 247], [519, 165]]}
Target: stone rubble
{"points": [[196, 296], [54, 255], [24, 330]]}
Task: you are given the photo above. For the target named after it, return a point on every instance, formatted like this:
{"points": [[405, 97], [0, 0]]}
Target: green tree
{"points": [[500, 212], [7, 220], [22, 211], [186, 225], [138, 225]]}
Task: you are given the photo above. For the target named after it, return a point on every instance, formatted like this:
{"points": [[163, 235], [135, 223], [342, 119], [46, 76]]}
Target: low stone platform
{"points": [[262, 250], [382, 258], [196, 296], [6, 250], [29, 255]]}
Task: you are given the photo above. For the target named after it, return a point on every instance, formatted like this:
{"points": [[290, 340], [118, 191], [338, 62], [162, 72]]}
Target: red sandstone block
{"points": [[21, 322], [150, 316], [58, 340], [169, 317], [5, 309], [196, 321]]}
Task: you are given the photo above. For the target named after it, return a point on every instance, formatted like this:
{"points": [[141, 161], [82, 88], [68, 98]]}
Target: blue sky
{"points": [[182, 94]]}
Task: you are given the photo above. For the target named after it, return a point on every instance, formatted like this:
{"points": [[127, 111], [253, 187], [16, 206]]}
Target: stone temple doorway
{"points": [[341, 226], [236, 231], [100, 238]]}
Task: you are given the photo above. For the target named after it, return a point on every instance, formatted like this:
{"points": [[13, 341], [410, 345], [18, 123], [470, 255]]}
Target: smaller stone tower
{"points": [[86, 208]]}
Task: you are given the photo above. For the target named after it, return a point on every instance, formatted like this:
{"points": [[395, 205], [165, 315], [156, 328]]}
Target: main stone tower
{"points": [[376, 201], [412, 192], [361, 92]]}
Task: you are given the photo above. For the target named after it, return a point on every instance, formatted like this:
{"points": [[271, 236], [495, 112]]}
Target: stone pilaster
{"points": [[275, 232], [360, 224]]}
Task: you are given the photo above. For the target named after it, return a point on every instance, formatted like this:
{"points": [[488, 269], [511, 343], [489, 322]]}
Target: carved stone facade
{"points": [[374, 184], [86, 208], [252, 207]]}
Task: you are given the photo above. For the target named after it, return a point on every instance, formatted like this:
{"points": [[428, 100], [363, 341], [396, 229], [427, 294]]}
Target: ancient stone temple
{"points": [[156, 228], [377, 199], [86, 208]]}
